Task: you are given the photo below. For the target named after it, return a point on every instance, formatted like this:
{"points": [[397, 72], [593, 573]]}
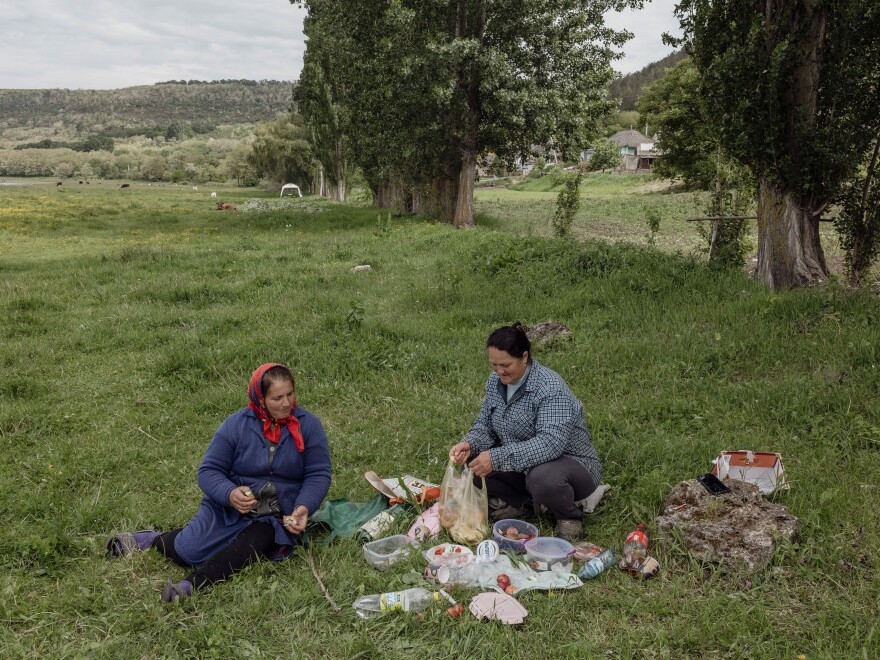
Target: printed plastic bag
{"points": [[464, 508]]}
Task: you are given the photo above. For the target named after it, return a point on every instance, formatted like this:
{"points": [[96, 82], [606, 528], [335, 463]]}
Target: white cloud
{"points": [[103, 44]]}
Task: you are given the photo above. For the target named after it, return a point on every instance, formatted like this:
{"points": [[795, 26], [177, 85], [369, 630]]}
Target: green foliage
{"points": [[793, 117], [538, 166], [653, 222], [858, 224], [734, 195], [628, 89], [567, 204], [423, 89], [117, 112], [606, 156], [688, 133], [281, 151]]}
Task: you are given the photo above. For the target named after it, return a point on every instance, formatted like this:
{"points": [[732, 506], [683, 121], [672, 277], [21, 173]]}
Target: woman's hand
{"points": [[296, 522], [242, 500], [482, 464], [460, 452]]}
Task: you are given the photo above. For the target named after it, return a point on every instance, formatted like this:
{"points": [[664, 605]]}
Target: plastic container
{"points": [[386, 552], [514, 545], [548, 553], [449, 554]]}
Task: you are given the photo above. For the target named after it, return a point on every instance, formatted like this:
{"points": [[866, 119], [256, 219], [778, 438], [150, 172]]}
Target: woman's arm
{"points": [[316, 466], [213, 473], [479, 438]]}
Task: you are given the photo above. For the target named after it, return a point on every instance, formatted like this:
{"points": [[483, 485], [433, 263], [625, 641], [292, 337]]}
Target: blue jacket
{"points": [[543, 421], [238, 456]]}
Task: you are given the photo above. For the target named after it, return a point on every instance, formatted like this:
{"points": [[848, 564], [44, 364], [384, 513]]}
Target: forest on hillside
{"points": [[629, 87], [95, 111]]}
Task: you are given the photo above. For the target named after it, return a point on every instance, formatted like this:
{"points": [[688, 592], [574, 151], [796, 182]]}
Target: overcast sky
{"points": [[108, 44]]}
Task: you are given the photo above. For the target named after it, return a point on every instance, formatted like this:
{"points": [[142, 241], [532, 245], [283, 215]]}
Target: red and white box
{"points": [[764, 469]]}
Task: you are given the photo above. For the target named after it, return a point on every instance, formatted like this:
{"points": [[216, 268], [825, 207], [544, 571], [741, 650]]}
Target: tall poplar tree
{"points": [[795, 88], [432, 85]]}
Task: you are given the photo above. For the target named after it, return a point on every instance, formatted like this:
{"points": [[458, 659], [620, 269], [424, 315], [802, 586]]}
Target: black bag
{"points": [[267, 502]]}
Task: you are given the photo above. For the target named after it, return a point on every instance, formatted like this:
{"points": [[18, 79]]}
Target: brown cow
{"points": [[125, 185], [59, 183], [223, 206]]}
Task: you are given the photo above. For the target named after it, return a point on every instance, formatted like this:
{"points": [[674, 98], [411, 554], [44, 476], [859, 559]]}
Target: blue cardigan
{"points": [[238, 456]]}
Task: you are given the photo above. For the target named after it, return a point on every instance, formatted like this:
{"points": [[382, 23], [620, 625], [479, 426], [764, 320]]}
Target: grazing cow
{"points": [[59, 183], [222, 206], [213, 195], [125, 185], [195, 187], [80, 183]]}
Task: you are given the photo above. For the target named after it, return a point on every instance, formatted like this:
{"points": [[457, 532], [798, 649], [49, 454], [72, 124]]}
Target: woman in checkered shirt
{"points": [[530, 440]]}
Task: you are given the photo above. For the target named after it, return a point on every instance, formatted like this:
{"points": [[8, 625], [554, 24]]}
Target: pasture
{"points": [[131, 320]]}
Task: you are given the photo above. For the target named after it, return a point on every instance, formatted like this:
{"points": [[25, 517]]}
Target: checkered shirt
{"points": [[542, 422]]}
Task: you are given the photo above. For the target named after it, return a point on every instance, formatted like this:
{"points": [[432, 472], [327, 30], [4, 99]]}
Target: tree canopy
{"points": [[794, 88], [426, 87]]}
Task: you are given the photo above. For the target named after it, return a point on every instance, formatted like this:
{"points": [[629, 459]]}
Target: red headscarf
{"points": [[272, 426]]}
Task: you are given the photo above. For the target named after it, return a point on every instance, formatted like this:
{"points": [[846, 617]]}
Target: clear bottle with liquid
{"points": [[414, 599], [635, 549], [596, 565]]}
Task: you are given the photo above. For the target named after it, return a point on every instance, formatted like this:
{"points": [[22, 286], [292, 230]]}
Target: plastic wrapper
{"points": [[463, 508]]}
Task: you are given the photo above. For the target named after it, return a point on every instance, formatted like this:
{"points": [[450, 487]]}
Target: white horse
{"points": [[287, 186]]}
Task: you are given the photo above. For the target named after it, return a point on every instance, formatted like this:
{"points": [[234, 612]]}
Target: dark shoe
{"points": [[173, 591], [570, 530], [126, 544], [501, 510]]}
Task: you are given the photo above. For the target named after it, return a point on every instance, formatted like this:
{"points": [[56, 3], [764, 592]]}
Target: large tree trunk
{"points": [[464, 207], [339, 193], [789, 252]]}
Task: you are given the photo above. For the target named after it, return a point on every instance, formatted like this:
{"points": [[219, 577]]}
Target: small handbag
{"points": [[267, 502]]}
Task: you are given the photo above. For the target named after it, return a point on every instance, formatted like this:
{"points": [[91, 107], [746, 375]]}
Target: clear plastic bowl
{"points": [[548, 553], [512, 544], [386, 552]]}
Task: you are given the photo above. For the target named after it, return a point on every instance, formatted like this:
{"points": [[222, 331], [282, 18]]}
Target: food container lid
{"points": [[549, 548]]}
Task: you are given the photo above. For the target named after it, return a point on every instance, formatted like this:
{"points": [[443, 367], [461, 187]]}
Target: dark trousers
{"points": [[255, 541], [557, 485]]}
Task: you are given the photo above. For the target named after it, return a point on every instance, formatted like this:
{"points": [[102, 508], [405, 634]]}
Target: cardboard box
{"points": [[764, 469]]}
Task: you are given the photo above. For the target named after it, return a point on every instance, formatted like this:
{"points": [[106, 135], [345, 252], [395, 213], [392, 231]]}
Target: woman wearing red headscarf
{"points": [[266, 470]]}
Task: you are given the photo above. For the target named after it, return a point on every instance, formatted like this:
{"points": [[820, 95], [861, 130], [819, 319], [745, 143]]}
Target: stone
{"points": [[739, 529], [547, 331]]}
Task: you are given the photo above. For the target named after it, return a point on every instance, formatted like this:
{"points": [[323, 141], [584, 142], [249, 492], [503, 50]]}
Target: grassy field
{"points": [[133, 318], [614, 208]]}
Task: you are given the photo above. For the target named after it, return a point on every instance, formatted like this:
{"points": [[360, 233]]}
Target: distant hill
{"points": [[100, 111], [629, 88]]}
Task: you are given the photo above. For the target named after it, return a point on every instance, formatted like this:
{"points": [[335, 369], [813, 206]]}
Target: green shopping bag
{"points": [[344, 518]]}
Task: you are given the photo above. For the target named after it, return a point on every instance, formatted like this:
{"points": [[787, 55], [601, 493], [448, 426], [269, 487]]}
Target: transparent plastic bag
{"points": [[464, 508]]}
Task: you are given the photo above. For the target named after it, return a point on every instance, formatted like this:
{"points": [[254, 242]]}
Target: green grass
{"points": [[132, 320]]}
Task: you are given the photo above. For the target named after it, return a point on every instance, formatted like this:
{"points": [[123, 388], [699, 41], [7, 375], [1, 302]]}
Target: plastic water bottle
{"points": [[635, 548], [415, 599], [596, 565]]}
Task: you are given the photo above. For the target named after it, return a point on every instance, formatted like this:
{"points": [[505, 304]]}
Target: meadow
{"points": [[132, 319]]}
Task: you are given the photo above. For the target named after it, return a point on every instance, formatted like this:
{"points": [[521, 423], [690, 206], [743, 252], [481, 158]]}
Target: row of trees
{"points": [[782, 93], [187, 163], [414, 92]]}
